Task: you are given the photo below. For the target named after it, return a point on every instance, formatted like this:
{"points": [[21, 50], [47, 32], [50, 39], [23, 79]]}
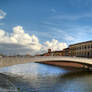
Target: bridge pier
{"points": [[87, 67]]}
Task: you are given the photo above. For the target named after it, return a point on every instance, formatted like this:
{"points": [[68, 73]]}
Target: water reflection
{"points": [[34, 77], [75, 82], [30, 68]]}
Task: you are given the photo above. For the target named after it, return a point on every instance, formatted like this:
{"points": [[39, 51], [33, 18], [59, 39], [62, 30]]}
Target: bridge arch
{"points": [[68, 64]]}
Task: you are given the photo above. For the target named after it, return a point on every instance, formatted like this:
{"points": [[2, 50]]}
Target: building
{"points": [[83, 49], [65, 52], [56, 53]]}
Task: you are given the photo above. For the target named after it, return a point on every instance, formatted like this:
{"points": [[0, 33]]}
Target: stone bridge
{"points": [[9, 61]]}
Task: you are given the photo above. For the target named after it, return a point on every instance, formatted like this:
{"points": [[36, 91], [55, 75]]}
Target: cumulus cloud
{"points": [[20, 42], [2, 14], [53, 45], [14, 49]]}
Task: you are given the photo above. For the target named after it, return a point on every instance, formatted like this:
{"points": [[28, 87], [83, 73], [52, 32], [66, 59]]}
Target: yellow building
{"points": [[83, 49]]}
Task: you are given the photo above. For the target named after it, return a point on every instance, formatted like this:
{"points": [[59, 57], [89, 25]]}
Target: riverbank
{"points": [[6, 85]]}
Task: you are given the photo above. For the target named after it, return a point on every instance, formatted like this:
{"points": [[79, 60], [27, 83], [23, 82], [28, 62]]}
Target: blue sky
{"points": [[68, 21]]}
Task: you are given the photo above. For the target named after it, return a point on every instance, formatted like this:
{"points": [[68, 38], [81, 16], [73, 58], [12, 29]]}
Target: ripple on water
{"points": [[44, 78]]}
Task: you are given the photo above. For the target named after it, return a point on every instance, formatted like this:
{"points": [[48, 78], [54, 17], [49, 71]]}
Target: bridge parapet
{"points": [[8, 61]]}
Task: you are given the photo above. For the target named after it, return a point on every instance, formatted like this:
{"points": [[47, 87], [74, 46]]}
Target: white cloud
{"points": [[2, 14], [28, 43], [81, 33], [62, 34], [54, 45], [72, 17], [53, 10], [68, 37], [2, 33]]}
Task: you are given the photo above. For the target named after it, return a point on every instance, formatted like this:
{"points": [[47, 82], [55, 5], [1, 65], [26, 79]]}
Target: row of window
{"points": [[82, 53], [82, 47]]}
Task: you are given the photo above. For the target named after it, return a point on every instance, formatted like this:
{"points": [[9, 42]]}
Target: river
{"points": [[35, 77]]}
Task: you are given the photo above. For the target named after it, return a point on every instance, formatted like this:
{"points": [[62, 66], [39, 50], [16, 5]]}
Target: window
{"points": [[88, 46]]}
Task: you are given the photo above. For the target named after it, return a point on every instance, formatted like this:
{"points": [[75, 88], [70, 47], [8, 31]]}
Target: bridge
{"points": [[9, 61]]}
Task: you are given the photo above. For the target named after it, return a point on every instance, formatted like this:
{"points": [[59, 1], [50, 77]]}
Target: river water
{"points": [[35, 77]]}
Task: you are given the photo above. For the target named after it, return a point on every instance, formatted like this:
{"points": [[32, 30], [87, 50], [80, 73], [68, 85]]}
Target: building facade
{"points": [[83, 49], [57, 53]]}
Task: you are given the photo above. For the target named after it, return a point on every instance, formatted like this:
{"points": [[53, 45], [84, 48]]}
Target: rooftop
{"points": [[82, 43]]}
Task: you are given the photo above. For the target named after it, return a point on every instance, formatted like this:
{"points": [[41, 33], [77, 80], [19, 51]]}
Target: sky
{"points": [[36, 25]]}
